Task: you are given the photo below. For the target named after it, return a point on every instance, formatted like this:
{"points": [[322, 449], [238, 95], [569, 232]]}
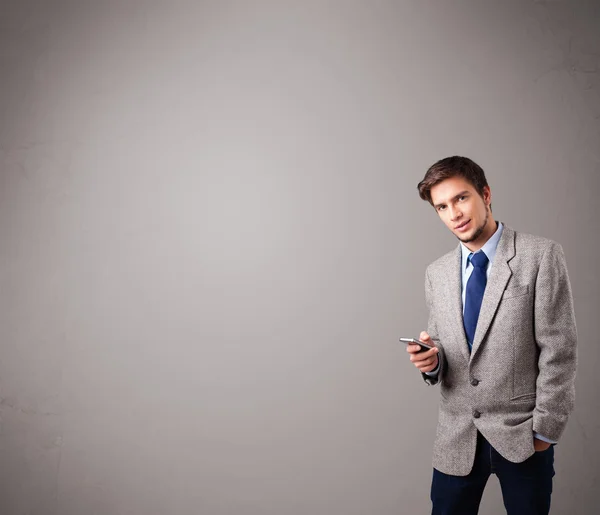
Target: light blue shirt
{"points": [[489, 248]]}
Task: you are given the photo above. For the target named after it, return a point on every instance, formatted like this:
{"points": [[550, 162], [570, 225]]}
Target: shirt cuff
{"points": [[543, 438]]}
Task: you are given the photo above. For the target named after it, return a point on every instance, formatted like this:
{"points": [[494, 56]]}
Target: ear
{"points": [[487, 195]]}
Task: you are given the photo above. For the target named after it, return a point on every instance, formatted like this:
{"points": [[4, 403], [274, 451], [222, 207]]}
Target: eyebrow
{"points": [[462, 193]]}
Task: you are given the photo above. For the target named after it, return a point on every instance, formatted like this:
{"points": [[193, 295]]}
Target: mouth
{"points": [[463, 227]]}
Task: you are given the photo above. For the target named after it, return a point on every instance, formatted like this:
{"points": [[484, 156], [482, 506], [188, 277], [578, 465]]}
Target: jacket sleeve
{"points": [[556, 337], [432, 331]]}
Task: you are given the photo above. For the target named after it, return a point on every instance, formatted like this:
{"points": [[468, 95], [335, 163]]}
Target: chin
{"points": [[466, 238]]}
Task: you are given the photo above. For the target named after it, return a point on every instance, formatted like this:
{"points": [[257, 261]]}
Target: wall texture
{"points": [[210, 241]]}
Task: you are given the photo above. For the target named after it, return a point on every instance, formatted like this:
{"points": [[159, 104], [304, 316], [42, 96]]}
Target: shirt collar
{"points": [[489, 248]]}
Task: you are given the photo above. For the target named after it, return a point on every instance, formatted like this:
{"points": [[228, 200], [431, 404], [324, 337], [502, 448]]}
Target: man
{"points": [[502, 323]]}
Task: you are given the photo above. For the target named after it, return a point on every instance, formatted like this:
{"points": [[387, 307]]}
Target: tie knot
{"points": [[480, 260]]}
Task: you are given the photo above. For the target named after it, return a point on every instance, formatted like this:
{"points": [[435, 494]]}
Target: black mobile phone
{"points": [[412, 341]]}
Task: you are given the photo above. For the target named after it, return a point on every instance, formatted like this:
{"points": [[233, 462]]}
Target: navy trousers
{"points": [[526, 487]]}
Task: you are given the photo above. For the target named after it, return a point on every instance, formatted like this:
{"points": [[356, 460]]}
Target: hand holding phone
{"points": [[423, 353]]}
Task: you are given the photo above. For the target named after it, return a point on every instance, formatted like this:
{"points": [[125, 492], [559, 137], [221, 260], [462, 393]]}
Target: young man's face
{"points": [[464, 211]]}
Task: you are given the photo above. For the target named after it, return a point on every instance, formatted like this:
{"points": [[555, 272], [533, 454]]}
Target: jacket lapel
{"points": [[495, 287], [455, 306]]}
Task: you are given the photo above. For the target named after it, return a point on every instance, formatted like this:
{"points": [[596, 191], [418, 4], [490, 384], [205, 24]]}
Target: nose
{"points": [[455, 213]]}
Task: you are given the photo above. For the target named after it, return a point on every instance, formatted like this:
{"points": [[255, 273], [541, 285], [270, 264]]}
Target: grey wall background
{"points": [[210, 241]]}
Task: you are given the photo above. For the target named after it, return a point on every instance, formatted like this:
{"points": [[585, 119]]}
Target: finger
{"points": [[413, 349], [427, 354], [431, 352], [424, 336], [420, 356], [425, 364]]}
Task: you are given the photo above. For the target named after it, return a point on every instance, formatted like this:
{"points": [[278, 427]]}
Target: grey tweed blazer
{"points": [[519, 377]]}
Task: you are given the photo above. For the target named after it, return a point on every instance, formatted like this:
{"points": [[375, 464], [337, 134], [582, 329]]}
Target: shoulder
{"points": [[443, 264], [532, 245], [534, 252]]}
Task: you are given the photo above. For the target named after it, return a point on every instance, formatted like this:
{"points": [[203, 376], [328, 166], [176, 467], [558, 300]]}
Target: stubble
{"points": [[479, 231]]}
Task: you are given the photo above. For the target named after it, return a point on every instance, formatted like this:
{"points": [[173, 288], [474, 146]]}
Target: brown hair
{"points": [[455, 166]]}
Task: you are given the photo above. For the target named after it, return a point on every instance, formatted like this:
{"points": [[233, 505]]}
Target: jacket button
{"points": [[476, 414], [474, 382]]}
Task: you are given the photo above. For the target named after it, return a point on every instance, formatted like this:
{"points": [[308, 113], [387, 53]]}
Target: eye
{"points": [[441, 208], [462, 197]]}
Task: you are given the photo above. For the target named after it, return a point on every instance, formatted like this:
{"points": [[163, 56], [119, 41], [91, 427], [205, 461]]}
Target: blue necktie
{"points": [[474, 294]]}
